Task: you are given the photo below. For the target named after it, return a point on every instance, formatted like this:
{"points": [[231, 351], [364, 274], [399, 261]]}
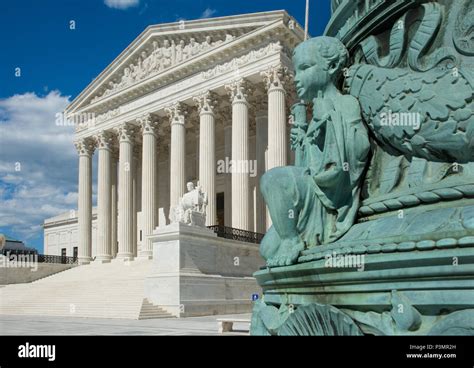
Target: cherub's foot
{"points": [[288, 253], [270, 244]]}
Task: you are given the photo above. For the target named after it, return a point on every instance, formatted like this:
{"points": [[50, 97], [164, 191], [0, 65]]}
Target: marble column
{"points": [[157, 183], [178, 153], [262, 144], [207, 153], [125, 216], [197, 161], [149, 184], [240, 155], [113, 208], [104, 198], [228, 176], [277, 120], [85, 148], [136, 184]]}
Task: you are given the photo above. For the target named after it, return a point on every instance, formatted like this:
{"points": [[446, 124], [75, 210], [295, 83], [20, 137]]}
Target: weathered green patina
{"points": [[316, 201], [373, 228]]}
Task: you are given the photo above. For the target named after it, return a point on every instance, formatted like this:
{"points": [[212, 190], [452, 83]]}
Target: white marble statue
{"points": [[191, 209], [180, 51]]}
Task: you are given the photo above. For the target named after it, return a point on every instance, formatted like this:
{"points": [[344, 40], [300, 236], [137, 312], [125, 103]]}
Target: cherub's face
{"points": [[190, 187], [311, 72]]}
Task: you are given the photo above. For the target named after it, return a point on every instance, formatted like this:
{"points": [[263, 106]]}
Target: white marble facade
{"points": [[181, 102]]}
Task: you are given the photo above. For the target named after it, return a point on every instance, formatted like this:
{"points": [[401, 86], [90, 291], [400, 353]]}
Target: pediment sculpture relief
{"points": [[163, 55]]}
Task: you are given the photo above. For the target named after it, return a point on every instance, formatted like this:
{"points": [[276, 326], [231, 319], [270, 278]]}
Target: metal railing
{"points": [[43, 258], [236, 234]]}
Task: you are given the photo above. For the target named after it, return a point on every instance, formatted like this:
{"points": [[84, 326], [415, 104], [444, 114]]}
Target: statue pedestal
{"points": [[392, 276], [195, 273]]}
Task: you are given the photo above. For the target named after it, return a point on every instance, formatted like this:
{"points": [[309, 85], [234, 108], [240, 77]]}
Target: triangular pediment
{"points": [[161, 48]]}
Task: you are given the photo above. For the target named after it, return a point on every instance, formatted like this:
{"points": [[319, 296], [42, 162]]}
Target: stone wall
{"points": [[20, 275]]}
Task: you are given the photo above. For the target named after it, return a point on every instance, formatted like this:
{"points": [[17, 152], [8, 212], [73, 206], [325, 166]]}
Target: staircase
{"points": [[151, 311], [111, 290]]}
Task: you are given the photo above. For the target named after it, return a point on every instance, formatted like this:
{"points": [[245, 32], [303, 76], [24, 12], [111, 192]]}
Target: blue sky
{"points": [[38, 162]]}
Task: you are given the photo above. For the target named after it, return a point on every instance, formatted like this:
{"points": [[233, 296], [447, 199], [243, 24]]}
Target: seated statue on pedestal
{"points": [[316, 201], [191, 209]]}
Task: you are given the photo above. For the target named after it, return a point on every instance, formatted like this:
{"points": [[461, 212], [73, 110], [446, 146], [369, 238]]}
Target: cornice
{"points": [[277, 29], [184, 91]]}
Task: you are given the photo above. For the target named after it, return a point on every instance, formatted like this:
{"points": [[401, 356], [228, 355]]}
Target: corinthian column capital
{"points": [[239, 90], [176, 113], [275, 77], [104, 139], [206, 102], [148, 125], [126, 132], [85, 146]]}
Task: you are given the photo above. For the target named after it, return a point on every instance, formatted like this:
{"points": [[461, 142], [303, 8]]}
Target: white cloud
{"points": [[38, 163], [208, 13], [121, 4]]}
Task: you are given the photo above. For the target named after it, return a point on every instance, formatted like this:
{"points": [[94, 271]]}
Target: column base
{"points": [[84, 260], [125, 257], [147, 254], [103, 259]]}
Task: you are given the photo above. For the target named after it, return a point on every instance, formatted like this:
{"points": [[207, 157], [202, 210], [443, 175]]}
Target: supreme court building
{"points": [[181, 103]]}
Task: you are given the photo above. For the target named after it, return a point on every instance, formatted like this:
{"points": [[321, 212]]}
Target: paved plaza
{"points": [[38, 325]]}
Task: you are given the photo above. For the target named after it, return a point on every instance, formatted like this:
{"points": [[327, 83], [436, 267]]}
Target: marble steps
{"points": [[151, 311], [111, 290], [81, 275]]}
